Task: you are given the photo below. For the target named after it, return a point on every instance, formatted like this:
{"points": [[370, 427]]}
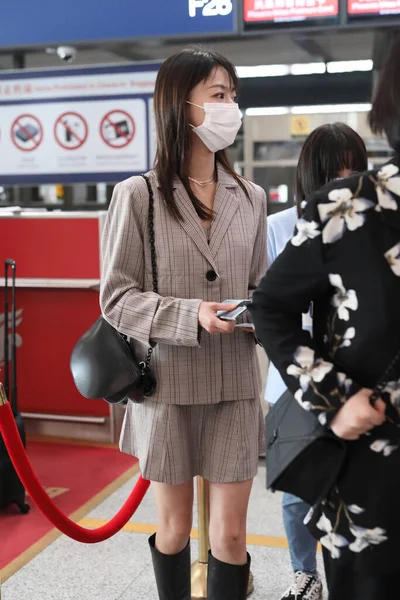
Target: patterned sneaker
{"points": [[304, 587]]}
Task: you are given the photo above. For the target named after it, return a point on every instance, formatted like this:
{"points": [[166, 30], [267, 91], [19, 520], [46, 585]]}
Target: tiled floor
{"points": [[120, 569]]}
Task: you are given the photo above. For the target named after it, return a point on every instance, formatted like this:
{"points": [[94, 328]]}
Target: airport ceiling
{"points": [[282, 48]]}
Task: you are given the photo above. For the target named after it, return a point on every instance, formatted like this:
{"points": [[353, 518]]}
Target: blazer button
{"points": [[211, 275]]}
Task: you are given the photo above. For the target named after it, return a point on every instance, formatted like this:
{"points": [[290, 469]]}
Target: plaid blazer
{"points": [[190, 365]]}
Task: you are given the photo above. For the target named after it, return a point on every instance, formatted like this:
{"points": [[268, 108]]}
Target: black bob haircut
{"points": [[327, 151]]}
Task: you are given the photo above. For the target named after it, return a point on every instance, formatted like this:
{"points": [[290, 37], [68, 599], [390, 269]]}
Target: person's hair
{"points": [[177, 77], [384, 117], [327, 151]]}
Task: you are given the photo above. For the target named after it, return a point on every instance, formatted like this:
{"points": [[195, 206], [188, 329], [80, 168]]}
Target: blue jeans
{"points": [[302, 546]]}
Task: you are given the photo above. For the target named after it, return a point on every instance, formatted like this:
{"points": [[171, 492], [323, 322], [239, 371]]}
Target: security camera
{"points": [[66, 53]]}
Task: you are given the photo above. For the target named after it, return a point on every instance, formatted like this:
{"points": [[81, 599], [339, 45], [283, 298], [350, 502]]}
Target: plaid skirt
{"points": [[174, 443]]}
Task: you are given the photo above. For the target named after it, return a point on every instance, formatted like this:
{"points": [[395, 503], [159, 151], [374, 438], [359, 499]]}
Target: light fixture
{"points": [[316, 68], [263, 71], [329, 108], [349, 66], [267, 111], [307, 110]]}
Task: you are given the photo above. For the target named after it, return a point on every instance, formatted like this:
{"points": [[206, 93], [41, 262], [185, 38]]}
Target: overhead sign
{"points": [[275, 11], [100, 20], [89, 125], [371, 8]]}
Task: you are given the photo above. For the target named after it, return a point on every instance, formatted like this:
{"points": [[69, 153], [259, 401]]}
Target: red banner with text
{"points": [[288, 10]]}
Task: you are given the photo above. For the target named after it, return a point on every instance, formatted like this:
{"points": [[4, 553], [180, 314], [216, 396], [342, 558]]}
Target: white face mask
{"points": [[221, 124]]}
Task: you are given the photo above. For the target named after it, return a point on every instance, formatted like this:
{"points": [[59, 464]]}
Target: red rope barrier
{"points": [[19, 458]]}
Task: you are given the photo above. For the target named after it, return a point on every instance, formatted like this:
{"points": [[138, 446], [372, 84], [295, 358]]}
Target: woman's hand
{"points": [[210, 322], [358, 416]]}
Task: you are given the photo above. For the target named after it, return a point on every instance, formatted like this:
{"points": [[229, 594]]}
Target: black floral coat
{"points": [[344, 257]]}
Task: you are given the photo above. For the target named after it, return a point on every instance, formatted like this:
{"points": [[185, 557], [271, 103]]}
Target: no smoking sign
{"points": [[117, 129], [71, 131]]}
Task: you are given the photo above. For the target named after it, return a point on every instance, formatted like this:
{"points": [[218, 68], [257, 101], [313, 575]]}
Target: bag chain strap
{"points": [[153, 256]]}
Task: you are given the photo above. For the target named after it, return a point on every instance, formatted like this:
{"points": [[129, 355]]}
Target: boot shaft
{"points": [[172, 572]]}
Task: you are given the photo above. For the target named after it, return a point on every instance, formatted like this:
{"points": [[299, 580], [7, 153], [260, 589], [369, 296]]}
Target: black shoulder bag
{"points": [[103, 363], [303, 457]]}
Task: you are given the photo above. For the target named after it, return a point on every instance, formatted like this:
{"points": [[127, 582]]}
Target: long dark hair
{"points": [[177, 77], [329, 149], [385, 114]]}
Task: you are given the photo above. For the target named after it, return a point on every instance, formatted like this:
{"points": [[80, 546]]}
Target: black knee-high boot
{"points": [[225, 581], [172, 572]]}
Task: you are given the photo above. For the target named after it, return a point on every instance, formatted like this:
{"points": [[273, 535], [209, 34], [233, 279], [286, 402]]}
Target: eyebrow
{"points": [[222, 86]]}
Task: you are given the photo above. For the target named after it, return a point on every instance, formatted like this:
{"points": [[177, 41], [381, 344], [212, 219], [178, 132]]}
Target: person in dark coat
{"points": [[344, 258]]}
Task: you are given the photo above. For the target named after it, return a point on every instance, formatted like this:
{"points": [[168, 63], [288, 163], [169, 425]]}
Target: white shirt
{"points": [[280, 230]]}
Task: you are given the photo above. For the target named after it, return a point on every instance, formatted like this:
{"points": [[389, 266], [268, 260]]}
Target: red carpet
{"points": [[78, 478]]}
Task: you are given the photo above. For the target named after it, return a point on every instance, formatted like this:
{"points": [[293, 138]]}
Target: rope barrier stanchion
{"points": [[200, 566], [19, 458]]}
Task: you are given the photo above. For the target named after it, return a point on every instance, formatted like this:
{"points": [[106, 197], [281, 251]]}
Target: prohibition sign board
{"points": [[117, 129], [71, 130], [27, 133]]}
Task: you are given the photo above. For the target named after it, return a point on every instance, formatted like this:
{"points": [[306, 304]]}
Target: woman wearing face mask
{"points": [[210, 236]]}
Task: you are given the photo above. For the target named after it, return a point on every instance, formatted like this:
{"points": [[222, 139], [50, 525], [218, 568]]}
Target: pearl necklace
{"points": [[203, 183]]}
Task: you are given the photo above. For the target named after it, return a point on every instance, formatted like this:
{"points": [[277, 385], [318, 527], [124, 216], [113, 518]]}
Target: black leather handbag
{"points": [[303, 457], [103, 363]]}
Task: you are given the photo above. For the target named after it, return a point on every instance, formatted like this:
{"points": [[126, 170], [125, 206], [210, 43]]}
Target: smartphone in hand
{"points": [[232, 315]]}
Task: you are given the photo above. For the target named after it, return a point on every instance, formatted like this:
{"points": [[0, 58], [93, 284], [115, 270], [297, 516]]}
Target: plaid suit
{"points": [[191, 366]]}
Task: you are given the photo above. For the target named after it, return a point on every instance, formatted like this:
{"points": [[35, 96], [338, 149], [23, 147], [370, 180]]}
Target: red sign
{"points": [[71, 130], [50, 322], [27, 133], [117, 129], [288, 10], [43, 248], [373, 7]]}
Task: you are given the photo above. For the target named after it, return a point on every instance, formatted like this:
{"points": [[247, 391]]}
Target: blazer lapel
{"points": [[226, 204], [192, 225]]}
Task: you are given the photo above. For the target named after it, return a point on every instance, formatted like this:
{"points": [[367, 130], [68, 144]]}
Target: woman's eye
{"points": [[220, 95]]}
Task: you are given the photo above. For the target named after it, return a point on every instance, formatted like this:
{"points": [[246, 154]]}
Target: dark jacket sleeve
{"points": [[297, 278]]}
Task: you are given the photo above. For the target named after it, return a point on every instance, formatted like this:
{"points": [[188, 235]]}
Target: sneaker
{"points": [[304, 587]]}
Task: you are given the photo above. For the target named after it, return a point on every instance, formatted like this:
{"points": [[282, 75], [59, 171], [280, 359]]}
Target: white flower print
{"points": [[355, 509], [303, 403], [323, 419], [306, 230], [332, 541], [344, 382], [344, 299], [349, 335], [343, 212], [393, 258], [307, 369], [387, 185], [384, 447], [393, 388], [366, 537]]}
